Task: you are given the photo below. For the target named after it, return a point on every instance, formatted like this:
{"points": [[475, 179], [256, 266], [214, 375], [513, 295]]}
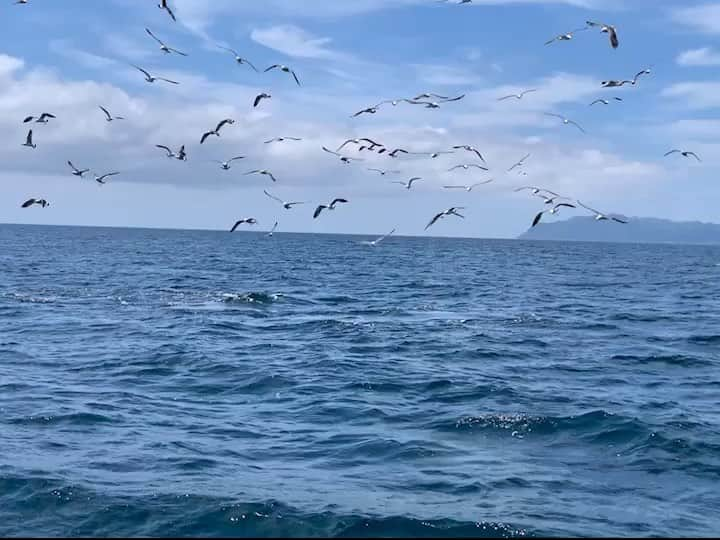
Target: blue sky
{"points": [[69, 57]]}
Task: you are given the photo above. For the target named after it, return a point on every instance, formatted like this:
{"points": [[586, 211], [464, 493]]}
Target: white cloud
{"points": [[695, 95], [704, 56], [703, 17], [295, 42]]}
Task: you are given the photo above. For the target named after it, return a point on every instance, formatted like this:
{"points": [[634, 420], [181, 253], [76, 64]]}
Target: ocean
{"points": [[157, 382]]}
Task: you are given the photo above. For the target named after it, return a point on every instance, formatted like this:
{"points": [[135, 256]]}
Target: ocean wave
{"points": [[679, 360]]}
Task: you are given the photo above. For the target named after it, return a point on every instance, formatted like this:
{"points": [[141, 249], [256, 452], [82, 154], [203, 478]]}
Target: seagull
{"points": [[382, 172], [372, 144], [164, 48], [536, 190], [108, 117], [101, 179], [164, 5], [286, 205], [608, 29], [686, 154], [30, 202], [378, 240], [344, 159], [239, 59], [260, 97], [643, 72], [42, 119], [433, 104], [21, 2], [262, 171], [374, 108], [29, 141], [281, 139], [225, 165], [467, 166], [452, 211], [551, 200], [566, 121], [614, 83], [469, 188], [469, 148], [76, 171], [181, 155], [330, 206], [566, 37], [285, 69], [272, 231], [599, 216], [170, 153], [519, 163], [517, 96], [150, 78], [217, 129], [409, 183], [394, 153], [428, 96], [553, 210], [249, 221], [604, 101], [432, 155]]}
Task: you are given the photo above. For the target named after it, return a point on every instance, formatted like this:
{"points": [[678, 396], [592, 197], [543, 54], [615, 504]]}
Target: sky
{"points": [[69, 57]]}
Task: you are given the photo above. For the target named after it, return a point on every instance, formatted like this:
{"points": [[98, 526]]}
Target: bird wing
{"points": [[318, 210], [588, 208], [205, 136], [694, 155], [274, 227], [141, 69], [344, 144], [458, 98], [272, 177], [249, 63], [433, 220], [272, 67], [236, 158], [167, 80], [295, 77], [537, 219], [170, 12], [338, 200], [619, 220], [47, 115], [237, 224], [528, 91], [576, 125], [613, 37], [28, 139], [177, 52], [671, 152], [483, 183], [455, 187], [555, 115], [273, 197], [154, 37], [507, 97], [598, 101], [28, 119], [330, 151], [479, 166], [552, 40], [567, 205], [257, 100], [371, 141], [103, 109], [107, 175], [222, 123], [229, 49], [164, 148], [73, 167]]}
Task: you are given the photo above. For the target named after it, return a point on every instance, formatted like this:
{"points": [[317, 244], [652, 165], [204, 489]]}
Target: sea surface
{"points": [[160, 382]]}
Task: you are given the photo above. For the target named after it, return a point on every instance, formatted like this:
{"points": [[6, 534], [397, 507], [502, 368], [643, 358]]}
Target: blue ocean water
{"points": [[201, 383]]}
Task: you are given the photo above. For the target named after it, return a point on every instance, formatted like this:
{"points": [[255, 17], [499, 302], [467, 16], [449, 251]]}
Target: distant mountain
{"points": [[638, 230]]}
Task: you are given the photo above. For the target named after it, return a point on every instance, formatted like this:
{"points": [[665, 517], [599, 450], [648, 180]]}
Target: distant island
{"points": [[638, 230]]}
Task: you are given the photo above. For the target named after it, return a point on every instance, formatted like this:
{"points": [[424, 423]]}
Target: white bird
{"points": [[566, 121], [249, 221], [284, 69], [170, 153], [260, 97], [370, 143], [466, 166], [39, 202], [608, 29], [164, 48], [239, 59], [553, 210], [471, 187], [286, 205], [216, 131], [76, 171], [469, 148], [382, 172], [29, 140], [274, 228], [685, 154], [225, 165], [519, 163], [164, 5], [409, 183], [599, 216], [330, 206], [150, 78], [281, 139], [566, 37], [637, 75], [344, 159], [452, 211], [44, 118], [264, 172], [101, 179], [604, 101], [536, 190], [378, 240], [108, 116], [517, 96]]}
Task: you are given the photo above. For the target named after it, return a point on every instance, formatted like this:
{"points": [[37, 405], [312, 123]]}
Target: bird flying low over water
{"points": [[284, 69], [40, 202], [151, 78], [272, 231], [286, 205], [164, 5], [330, 206], [452, 211], [608, 29], [599, 216], [108, 116], [553, 210], [239, 59], [44, 118], [683, 153], [377, 240], [164, 48], [216, 131], [249, 221]]}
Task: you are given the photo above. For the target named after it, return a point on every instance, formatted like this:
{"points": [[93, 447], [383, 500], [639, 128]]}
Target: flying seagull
{"points": [[685, 154], [566, 121], [469, 188], [30, 202], [599, 216], [467, 166], [76, 171], [21, 1], [225, 165], [181, 155], [536, 190], [217, 129], [519, 163], [426, 95], [469, 148], [260, 97], [164, 5], [284, 69], [281, 139], [169, 152], [409, 183], [108, 116], [239, 59], [262, 171], [566, 37], [378, 240], [151, 79], [164, 48], [344, 159], [613, 83], [29, 141], [383, 172], [452, 211], [286, 205], [553, 210], [101, 179], [272, 231], [394, 153], [44, 118], [604, 101], [370, 143], [517, 96], [637, 75], [330, 206], [433, 104], [432, 155], [608, 29], [249, 221]]}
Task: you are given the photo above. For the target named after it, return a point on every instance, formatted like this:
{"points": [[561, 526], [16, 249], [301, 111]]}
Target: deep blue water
{"points": [[202, 383]]}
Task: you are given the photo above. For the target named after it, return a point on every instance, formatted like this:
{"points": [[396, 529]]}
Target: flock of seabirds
{"points": [[553, 202]]}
